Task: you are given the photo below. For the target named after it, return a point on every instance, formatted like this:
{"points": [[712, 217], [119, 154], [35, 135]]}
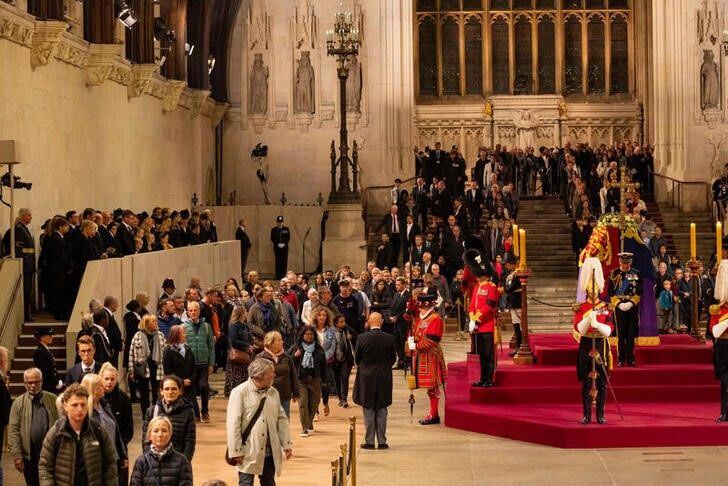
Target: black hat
{"points": [[473, 243], [427, 299], [168, 283], [279, 219], [398, 181], [417, 283], [43, 331], [477, 263], [625, 257]]}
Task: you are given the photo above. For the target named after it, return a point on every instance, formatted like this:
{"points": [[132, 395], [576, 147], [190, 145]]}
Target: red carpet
{"points": [[671, 399]]}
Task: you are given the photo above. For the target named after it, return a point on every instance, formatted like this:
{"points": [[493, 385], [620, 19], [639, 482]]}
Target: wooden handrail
{"points": [[676, 195]]}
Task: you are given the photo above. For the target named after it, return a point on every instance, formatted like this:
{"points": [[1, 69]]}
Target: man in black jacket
{"points": [[241, 234], [86, 349], [44, 360], [397, 319], [59, 269], [280, 236], [394, 227], [374, 356], [125, 233], [111, 305]]}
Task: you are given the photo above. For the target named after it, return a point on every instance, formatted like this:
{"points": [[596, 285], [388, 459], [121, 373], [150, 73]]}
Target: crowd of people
{"points": [[70, 241]]}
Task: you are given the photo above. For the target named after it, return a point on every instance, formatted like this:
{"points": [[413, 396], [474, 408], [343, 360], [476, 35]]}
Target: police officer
{"points": [[625, 291], [720, 191], [280, 236]]}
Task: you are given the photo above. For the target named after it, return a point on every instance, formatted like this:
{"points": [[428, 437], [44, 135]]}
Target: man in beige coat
{"points": [[269, 438]]}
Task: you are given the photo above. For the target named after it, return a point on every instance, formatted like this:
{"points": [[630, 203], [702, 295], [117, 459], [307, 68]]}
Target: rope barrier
{"points": [[534, 299]]}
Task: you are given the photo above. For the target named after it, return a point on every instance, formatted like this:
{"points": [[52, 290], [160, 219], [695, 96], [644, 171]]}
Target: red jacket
{"points": [[484, 306], [603, 316]]}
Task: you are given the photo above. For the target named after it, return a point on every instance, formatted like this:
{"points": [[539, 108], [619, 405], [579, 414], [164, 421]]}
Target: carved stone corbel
{"points": [[198, 98], [46, 39], [16, 25], [73, 50], [141, 78], [217, 112], [172, 94], [101, 62]]}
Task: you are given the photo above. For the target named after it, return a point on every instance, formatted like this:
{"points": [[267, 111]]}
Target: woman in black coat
{"points": [[310, 361], [241, 340], [178, 360], [131, 326], [118, 402], [179, 411], [161, 465]]}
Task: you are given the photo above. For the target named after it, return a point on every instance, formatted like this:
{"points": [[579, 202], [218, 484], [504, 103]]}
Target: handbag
{"points": [[246, 432], [238, 357], [140, 370]]}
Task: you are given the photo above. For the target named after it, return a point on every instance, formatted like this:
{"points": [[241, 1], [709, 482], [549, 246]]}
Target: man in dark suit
{"points": [[385, 253], [393, 223], [474, 201], [111, 305], [455, 173], [241, 235], [374, 356], [441, 201], [421, 199], [44, 360], [417, 250], [411, 229], [437, 161], [493, 240], [59, 269], [125, 233], [85, 249], [86, 350], [397, 321], [461, 215], [280, 236], [25, 249]]}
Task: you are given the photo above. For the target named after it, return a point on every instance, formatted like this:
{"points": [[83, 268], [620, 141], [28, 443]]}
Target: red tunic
{"points": [[484, 306], [603, 316], [430, 368], [718, 313]]}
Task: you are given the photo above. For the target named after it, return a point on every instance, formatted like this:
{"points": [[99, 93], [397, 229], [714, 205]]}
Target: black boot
{"points": [[723, 404], [586, 419], [586, 406], [601, 402]]}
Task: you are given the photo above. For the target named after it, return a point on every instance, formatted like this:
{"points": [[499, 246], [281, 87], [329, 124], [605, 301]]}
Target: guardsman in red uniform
{"points": [[717, 326], [483, 311], [592, 327], [429, 363]]}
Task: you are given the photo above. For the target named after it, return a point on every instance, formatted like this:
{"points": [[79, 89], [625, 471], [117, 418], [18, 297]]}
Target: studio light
{"points": [[189, 48], [210, 64], [126, 14], [162, 32]]}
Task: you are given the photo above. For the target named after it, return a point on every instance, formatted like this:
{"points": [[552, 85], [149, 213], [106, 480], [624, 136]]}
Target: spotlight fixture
{"points": [[189, 48], [210, 64], [125, 14], [162, 32]]}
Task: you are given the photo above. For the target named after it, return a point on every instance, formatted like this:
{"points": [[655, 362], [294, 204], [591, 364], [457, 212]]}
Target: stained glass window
{"points": [[499, 54], [546, 56], [473, 57], [428, 57], [595, 65], [619, 57], [572, 56], [523, 83], [450, 57]]}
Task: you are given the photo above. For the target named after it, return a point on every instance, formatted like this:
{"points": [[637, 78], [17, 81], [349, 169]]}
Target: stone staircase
{"points": [[27, 344], [676, 226], [552, 262]]}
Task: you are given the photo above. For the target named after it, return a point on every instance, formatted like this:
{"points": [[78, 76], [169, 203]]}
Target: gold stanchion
{"points": [[352, 450], [342, 475]]}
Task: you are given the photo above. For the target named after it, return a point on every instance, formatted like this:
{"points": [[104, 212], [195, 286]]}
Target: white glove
{"points": [[625, 306], [411, 343], [593, 319], [59, 385], [471, 326], [281, 245]]}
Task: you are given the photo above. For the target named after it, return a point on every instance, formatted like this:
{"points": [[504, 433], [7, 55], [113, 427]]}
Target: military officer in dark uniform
{"points": [[720, 192], [25, 249], [512, 289], [280, 236], [625, 292], [44, 360]]}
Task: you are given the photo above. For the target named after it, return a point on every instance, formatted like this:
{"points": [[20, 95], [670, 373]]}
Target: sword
{"points": [[611, 389]]}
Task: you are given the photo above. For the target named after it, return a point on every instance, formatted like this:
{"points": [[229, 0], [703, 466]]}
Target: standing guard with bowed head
{"points": [[483, 309], [625, 292], [717, 326], [592, 327]]}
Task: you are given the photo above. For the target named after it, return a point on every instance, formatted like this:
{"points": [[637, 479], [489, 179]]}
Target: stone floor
{"points": [[436, 455]]}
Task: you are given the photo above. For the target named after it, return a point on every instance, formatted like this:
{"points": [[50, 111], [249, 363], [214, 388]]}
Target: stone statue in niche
{"points": [[258, 87], [304, 98], [353, 86], [709, 81], [525, 130]]}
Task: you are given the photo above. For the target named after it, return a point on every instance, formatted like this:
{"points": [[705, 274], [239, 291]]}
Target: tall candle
{"points": [[693, 244], [522, 247], [516, 235], [718, 241]]}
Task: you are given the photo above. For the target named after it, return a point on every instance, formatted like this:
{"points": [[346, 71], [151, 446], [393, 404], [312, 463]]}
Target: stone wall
{"points": [[690, 127], [92, 129]]}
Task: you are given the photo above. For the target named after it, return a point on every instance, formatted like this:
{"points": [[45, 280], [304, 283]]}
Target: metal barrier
{"points": [[343, 468]]}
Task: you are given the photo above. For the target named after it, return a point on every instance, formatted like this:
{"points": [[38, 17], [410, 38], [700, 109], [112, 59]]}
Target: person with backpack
{"points": [[161, 465], [77, 450]]}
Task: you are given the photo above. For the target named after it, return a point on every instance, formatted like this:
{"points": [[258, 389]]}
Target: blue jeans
{"points": [[286, 404], [268, 478]]}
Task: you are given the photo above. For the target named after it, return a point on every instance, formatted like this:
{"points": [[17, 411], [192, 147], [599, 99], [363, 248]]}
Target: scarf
{"points": [[275, 356], [158, 455], [307, 361], [268, 315], [156, 354]]}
